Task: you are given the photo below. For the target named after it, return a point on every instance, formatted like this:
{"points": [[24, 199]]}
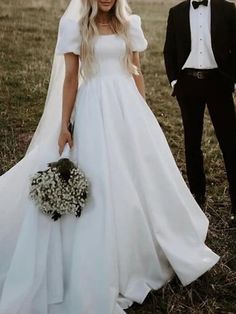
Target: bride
{"points": [[141, 224]]}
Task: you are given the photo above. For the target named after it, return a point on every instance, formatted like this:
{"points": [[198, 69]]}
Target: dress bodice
{"points": [[109, 50], [109, 53]]}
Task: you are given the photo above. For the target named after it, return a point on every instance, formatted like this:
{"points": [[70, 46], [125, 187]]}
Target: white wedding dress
{"points": [[141, 224]]}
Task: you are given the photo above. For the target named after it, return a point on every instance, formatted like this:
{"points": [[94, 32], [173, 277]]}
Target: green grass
{"points": [[27, 38]]}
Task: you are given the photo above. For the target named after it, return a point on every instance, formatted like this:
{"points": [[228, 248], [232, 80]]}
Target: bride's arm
{"points": [[70, 88], [139, 80]]}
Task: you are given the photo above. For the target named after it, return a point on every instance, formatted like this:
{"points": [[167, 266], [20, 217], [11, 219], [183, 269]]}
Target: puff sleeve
{"points": [[69, 38], [135, 32]]}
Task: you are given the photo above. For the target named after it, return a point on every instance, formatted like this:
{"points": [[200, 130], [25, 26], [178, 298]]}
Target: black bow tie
{"points": [[196, 4]]}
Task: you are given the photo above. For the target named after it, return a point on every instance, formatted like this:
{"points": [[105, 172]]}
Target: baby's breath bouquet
{"points": [[60, 189]]}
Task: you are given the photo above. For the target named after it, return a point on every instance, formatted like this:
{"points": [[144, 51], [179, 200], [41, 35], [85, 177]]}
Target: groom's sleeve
{"points": [[233, 38], [170, 53]]}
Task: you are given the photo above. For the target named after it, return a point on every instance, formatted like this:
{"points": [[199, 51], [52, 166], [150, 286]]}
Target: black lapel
{"points": [[215, 16], [186, 20]]}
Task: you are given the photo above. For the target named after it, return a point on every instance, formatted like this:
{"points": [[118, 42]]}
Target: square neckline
{"points": [[113, 34]]}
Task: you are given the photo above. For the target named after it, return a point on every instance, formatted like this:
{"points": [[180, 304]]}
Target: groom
{"points": [[200, 59]]}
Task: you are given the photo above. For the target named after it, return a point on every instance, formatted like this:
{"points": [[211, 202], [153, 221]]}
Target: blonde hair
{"points": [[119, 24]]}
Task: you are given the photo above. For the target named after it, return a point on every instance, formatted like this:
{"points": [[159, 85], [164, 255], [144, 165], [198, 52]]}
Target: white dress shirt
{"points": [[201, 55]]}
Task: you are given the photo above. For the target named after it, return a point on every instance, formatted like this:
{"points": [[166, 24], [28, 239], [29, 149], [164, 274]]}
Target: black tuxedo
{"points": [[223, 37], [215, 90]]}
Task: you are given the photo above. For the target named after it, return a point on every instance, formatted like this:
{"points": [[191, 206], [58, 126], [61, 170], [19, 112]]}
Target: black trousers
{"points": [[193, 95]]}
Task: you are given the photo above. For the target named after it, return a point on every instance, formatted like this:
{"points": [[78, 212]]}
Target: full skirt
{"points": [[140, 226]]}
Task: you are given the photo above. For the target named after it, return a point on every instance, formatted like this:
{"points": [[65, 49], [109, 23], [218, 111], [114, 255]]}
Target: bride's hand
{"points": [[64, 137]]}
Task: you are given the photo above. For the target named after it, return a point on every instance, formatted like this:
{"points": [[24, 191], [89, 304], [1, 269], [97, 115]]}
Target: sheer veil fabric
{"points": [[50, 121], [18, 288]]}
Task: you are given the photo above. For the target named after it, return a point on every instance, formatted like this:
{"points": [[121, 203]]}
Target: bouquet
{"points": [[60, 189]]}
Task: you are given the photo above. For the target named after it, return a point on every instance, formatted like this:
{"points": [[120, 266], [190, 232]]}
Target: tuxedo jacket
{"points": [[223, 38]]}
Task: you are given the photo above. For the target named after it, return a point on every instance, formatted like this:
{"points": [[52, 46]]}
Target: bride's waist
{"points": [[108, 76], [107, 68], [108, 80]]}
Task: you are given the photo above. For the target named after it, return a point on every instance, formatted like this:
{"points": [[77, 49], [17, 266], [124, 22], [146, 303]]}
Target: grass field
{"points": [[27, 39]]}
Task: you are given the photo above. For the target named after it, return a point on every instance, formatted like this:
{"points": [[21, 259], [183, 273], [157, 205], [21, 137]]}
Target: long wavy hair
{"points": [[119, 23]]}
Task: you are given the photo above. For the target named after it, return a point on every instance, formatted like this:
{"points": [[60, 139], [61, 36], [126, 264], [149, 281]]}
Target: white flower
{"points": [[51, 193]]}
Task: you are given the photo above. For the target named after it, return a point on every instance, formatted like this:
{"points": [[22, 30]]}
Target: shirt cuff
{"points": [[174, 82]]}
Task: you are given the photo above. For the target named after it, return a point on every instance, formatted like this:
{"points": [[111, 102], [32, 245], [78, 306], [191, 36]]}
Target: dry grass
{"points": [[28, 33]]}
